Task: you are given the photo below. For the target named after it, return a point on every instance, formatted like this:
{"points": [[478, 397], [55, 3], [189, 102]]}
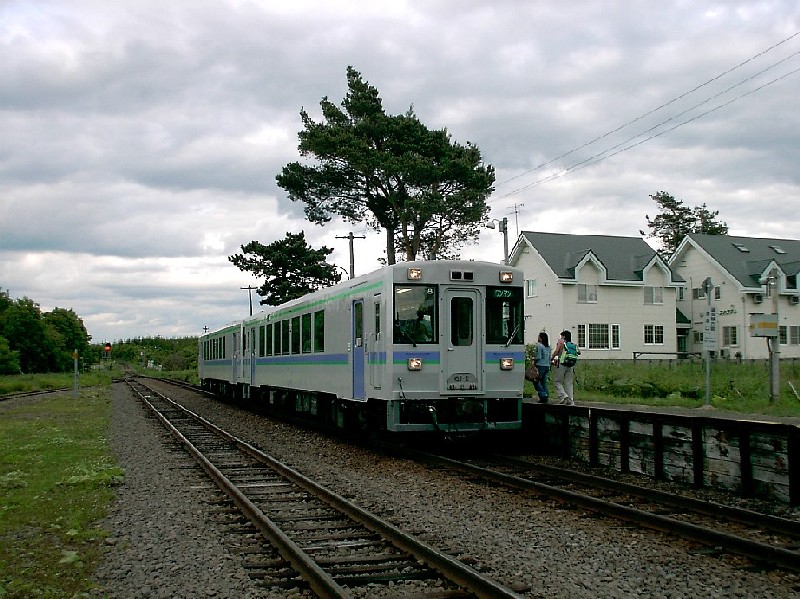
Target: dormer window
{"points": [[587, 294], [778, 249], [741, 248]]}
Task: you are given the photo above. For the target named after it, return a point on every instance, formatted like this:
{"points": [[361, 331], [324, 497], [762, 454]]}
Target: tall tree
{"points": [[291, 268], [391, 172], [66, 333], [676, 220]]}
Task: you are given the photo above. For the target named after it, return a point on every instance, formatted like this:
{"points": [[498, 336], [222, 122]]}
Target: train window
{"points": [[462, 326], [377, 317], [261, 340], [319, 331], [416, 318], [295, 335], [268, 349], [306, 333], [224, 353], [504, 315], [278, 338], [285, 337]]}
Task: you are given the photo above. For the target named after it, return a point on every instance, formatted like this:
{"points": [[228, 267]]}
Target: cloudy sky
{"points": [[139, 141]]}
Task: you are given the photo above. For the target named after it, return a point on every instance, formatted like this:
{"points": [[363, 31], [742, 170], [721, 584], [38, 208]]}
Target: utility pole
{"points": [[351, 237], [250, 293], [502, 226]]}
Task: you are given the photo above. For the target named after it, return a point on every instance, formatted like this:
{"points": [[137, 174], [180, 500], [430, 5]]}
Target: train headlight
{"points": [[506, 363], [506, 276], [414, 274], [415, 363]]}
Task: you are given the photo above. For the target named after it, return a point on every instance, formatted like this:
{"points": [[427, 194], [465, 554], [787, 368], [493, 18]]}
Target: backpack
{"points": [[569, 357]]}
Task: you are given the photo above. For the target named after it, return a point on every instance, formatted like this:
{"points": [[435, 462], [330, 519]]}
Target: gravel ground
{"points": [[163, 543]]}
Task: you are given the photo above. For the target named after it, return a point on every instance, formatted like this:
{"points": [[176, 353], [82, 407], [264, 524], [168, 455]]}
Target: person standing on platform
{"points": [[564, 358], [542, 362]]}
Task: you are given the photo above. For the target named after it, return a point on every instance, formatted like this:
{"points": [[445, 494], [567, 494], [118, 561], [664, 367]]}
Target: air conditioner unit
{"points": [[758, 298], [794, 299]]}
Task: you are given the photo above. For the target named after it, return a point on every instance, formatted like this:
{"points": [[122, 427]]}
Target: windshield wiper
{"points": [[513, 334]]}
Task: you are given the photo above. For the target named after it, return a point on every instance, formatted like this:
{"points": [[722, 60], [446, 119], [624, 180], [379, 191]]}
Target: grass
{"points": [[737, 387], [20, 383], [56, 482]]}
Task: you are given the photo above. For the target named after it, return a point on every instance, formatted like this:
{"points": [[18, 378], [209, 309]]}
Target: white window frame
{"points": [[587, 294], [653, 296], [655, 332], [587, 337], [531, 288], [730, 336]]}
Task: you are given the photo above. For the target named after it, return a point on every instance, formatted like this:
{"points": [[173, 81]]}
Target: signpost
{"points": [[709, 334], [75, 374]]}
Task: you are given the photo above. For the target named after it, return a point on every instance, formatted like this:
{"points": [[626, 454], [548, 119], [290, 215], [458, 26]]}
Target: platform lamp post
{"points": [[774, 343], [503, 228]]}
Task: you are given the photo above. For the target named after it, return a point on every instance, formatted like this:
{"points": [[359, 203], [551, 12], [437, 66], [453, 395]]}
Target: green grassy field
{"points": [[56, 482], [737, 387]]}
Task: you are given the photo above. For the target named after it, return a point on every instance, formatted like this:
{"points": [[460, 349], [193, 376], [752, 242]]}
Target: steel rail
{"points": [[321, 583], [454, 570], [755, 550]]}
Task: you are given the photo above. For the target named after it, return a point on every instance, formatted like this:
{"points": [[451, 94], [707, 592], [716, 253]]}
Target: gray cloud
{"points": [[141, 141]]}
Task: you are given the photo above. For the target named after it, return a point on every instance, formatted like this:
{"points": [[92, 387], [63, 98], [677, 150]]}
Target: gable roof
{"points": [[746, 258], [624, 258]]}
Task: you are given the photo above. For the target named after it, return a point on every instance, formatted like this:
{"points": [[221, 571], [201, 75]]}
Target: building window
{"points": [[599, 336], [717, 292], [587, 294], [531, 288], [681, 293], [794, 335], [698, 336], [698, 293], [653, 295], [783, 335], [654, 334], [729, 337]]}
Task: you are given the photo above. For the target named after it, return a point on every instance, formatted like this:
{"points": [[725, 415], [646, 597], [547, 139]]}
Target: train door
{"points": [[376, 353], [252, 353], [462, 365], [358, 349], [235, 358]]}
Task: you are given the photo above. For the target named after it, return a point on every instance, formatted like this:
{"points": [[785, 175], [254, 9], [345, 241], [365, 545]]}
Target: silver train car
{"points": [[415, 347]]}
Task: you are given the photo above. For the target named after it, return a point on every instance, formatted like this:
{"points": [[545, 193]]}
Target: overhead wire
{"points": [[597, 158]]}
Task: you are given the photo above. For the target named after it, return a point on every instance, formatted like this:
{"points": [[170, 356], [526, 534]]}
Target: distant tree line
{"points": [[32, 341], [179, 353]]}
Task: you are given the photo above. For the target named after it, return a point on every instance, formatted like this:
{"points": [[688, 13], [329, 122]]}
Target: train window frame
{"points": [[294, 335], [284, 337], [268, 348], [262, 332], [504, 323], [305, 333], [319, 331], [462, 320], [421, 325]]}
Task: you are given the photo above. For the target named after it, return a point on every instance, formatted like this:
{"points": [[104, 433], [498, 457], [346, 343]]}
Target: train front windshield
{"points": [[504, 315], [415, 314]]}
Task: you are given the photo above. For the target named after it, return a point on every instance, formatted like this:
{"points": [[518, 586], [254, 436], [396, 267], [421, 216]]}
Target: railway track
{"points": [[766, 539], [325, 542]]}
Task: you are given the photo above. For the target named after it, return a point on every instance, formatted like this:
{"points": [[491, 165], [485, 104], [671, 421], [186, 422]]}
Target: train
{"points": [[416, 347]]}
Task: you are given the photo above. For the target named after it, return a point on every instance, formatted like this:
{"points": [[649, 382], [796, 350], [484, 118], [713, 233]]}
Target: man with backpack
{"points": [[565, 357]]}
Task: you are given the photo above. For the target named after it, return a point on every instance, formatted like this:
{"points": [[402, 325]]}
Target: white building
{"points": [[615, 294], [749, 275]]}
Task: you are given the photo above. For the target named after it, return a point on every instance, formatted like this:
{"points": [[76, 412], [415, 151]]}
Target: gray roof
{"points": [[746, 258], [623, 257]]}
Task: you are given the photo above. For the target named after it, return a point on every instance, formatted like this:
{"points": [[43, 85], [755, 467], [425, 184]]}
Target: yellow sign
{"points": [[763, 325]]}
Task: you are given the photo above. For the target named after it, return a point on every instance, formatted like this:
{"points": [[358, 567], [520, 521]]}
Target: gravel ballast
{"points": [[164, 542]]}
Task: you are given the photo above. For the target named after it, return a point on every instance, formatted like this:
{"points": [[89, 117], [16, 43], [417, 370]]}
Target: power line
{"points": [[600, 157], [664, 105]]}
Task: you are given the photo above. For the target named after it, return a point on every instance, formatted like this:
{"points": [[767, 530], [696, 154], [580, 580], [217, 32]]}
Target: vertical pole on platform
{"points": [[75, 374]]}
